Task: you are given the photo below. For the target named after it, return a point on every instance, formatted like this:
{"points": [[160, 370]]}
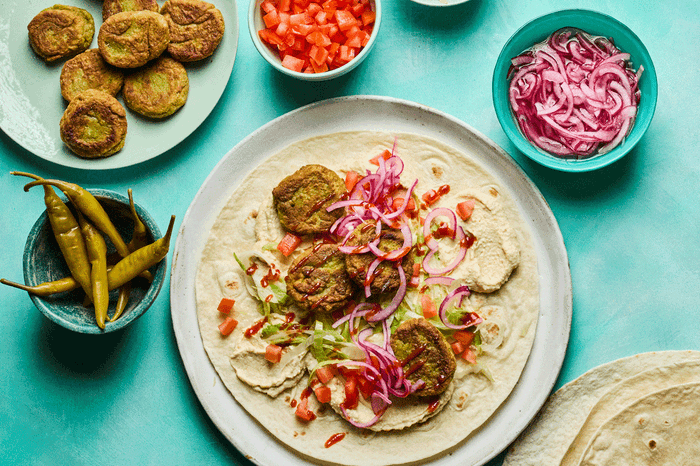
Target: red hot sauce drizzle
{"points": [[255, 328], [333, 439]]}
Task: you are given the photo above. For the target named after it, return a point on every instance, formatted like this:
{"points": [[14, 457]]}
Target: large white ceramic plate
{"points": [[31, 105], [386, 114]]}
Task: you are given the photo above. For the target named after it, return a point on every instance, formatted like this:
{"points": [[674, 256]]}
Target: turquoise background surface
{"points": [[631, 230]]}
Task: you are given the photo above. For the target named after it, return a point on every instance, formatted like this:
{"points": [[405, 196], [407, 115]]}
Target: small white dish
{"points": [[255, 24]]}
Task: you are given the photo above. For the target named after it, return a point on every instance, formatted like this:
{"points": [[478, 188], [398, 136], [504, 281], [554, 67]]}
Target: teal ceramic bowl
{"points": [[256, 23], [44, 262], [594, 23]]}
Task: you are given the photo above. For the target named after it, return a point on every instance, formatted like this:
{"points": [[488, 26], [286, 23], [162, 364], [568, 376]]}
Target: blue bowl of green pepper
{"points": [[44, 262]]}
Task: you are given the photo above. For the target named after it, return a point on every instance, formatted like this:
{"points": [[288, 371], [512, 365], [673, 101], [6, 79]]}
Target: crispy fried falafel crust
{"points": [[196, 29], [61, 31], [301, 199], [421, 345], [318, 281], [386, 276], [132, 38], [94, 124], [89, 71], [112, 7], [157, 90]]}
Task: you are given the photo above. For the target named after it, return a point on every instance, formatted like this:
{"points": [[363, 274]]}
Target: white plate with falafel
{"points": [[140, 96], [231, 246]]}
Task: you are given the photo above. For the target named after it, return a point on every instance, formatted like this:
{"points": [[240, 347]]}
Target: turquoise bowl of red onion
{"points": [[574, 90]]}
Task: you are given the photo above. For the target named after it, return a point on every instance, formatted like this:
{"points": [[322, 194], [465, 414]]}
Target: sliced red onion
{"points": [[432, 215], [400, 294], [440, 280], [460, 293], [460, 235]]}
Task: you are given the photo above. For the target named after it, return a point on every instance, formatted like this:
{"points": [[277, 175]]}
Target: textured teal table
{"points": [[631, 230]]}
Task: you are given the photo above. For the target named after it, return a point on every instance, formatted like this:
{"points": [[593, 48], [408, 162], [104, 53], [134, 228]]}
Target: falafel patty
{"points": [[317, 280], [132, 38], [301, 199], [94, 124], [89, 71], [112, 7], [386, 277], [196, 29], [157, 90], [425, 355], [61, 31]]}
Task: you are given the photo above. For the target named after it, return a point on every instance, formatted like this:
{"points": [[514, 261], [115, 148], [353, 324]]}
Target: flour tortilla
{"points": [[624, 394], [475, 397], [660, 429], [547, 438]]}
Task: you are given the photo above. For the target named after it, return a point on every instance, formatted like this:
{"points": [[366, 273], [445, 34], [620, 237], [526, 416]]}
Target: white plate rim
{"points": [[545, 361], [13, 98]]}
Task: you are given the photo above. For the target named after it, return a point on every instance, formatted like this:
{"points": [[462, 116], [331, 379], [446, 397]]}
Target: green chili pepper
{"points": [[90, 207], [97, 253], [142, 259], [67, 233], [140, 237], [122, 301], [47, 288]]}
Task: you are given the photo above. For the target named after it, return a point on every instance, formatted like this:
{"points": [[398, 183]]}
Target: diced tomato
{"points": [[273, 353], [324, 374], [345, 19], [303, 412], [318, 55], [416, 269], [428, 305], [469, 355], [464, 337], [267, 6], [398, 202], [457, 347], [321, 17], [227, 326], [368, 17], [271, 19], [293, 63], [285, 5], [299, 19], [313, 9], [351, 179], [351, 392], [430, 197], [323, 394], [270, 37], [465, 209], [386, 155], [365, 387], [289, 243], [225, 305], [357, 9]]}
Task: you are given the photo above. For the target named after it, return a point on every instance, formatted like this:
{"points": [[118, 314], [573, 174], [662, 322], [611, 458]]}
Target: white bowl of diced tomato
{"points": [[314, 40]]}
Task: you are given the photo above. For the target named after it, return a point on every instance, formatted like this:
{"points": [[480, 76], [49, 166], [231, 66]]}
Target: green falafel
{"points": [[425, 355], [301, 199], [317, 280], [157, 90], [386, 276], [61, 31]]}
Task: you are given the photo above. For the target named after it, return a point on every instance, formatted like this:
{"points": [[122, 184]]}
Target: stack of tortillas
{"points": [[637, 411]]}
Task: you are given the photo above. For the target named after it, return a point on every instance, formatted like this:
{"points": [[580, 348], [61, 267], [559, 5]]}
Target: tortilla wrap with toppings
{"points": [[574, 409], [493, 293]]}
